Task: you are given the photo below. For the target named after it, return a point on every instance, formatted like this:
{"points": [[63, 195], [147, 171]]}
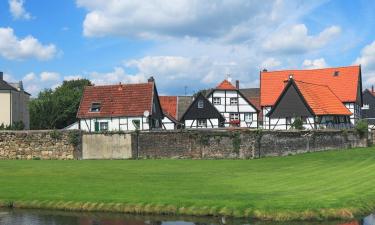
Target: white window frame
{"points": [[248, 117], [366, 106], [234, 116], [202, 122], [97, 108], [216, 100], [103, 126], [200, 104], [233, 101]]}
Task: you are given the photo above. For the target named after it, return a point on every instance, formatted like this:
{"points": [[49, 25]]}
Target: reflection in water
{"points": [[38, 217]]}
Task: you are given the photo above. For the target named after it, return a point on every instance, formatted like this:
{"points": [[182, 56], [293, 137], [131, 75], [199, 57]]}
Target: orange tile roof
{"points": [[117, 100], [344, 85], [226, 85], [169, 105], [321, 99]]}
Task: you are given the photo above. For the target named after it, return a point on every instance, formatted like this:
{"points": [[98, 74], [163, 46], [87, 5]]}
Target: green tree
{"points": [[56, 109]]}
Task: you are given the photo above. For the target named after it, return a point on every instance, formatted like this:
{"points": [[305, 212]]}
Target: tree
{"points": [[56, 109]]}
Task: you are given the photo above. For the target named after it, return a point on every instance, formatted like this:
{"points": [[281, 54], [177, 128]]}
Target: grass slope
{"points": [[334, 184]]}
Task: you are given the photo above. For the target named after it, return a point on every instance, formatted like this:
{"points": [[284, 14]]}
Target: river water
{"points": [[42, 217]]}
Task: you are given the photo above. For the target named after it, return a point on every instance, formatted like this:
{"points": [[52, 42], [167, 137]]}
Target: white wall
{"points": [[211, 123], [242, 107], [356, 110], [115, 124], [168, 124]]}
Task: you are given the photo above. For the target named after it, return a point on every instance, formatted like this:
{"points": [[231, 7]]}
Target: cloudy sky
{"points": [[190, 43]]}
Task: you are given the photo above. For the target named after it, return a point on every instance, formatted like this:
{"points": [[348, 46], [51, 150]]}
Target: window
{"points": [[234, 116], [233, 101], [217, 101], [366, 106], [200, 104], [202, 123], [248, 117], [103, 126], [95, 107], [137, 124]]}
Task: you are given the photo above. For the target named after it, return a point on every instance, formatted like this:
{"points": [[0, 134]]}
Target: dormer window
{"points": [[95, 107], [233, 101], [200, 104]]}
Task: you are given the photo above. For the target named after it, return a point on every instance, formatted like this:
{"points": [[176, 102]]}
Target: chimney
{"points": [[151, 79], [237, 84], [265, 70], [1, 76]]}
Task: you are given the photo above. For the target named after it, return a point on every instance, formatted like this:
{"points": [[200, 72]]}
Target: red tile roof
{"points": [[117, 100], [226, 85], [169, 105], [344, 85], [322, 100]]}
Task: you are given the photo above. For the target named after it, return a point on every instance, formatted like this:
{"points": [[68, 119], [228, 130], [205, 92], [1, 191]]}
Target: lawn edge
{"points": [[165, 209]]}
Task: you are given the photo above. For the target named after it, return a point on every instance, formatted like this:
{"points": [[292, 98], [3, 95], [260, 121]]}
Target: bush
{"points": [[361, 127], [298, 124], [17, 125], [74, 138]]}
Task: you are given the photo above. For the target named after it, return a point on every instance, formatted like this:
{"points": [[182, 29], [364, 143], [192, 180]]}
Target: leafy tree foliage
{"points": [[56, 109]]}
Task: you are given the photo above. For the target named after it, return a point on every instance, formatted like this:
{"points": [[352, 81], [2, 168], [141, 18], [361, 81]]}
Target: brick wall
{"points": [[40, 145]]}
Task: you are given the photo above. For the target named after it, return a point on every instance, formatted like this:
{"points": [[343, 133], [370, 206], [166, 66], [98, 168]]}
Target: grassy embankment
{"points": [[326, 185]]}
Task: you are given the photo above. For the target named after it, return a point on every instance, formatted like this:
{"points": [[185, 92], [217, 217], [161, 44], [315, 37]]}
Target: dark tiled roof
{"points": [[252, 95], [183, 103], [117, 100], [5, 86]]}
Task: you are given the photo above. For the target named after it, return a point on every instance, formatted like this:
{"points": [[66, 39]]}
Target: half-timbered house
{"points": [[344, 82], [122, 107], [368, 108], [236, 109], [316, 105], [173, 109], [202, 114]]}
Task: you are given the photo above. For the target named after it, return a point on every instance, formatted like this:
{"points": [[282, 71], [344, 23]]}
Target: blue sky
{"points": [[181, 42]]}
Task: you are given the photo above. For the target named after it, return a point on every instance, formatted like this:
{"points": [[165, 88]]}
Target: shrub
{"points": [[298, 124], [74, 138], [361, 127]]}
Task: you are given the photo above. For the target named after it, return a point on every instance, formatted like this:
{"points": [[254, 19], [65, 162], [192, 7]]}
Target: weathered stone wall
{"points": [[240, 143], [199, 144], [40, 145]]}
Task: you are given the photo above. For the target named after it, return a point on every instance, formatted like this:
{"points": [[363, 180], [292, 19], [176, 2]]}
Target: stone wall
{"points": [[240, 143], [198, 144], [40, 145]]}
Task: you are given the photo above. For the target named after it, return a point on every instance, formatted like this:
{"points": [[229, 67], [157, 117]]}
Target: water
{"points": [[42, 217]]}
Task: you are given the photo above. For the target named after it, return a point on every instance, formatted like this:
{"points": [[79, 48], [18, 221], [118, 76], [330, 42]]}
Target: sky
{"points": [[185, 44]]}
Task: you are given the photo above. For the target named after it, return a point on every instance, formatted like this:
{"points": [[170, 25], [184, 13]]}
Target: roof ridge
{"points": [[326, 68], [114, 85]]}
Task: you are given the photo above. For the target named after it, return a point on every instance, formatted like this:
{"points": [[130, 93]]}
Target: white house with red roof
{"points": [[122, 107], [329, 97], [236, 109]]}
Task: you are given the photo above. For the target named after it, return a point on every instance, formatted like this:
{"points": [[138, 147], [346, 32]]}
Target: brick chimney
{"points": [[1, 76], [237, 84], [151, 79]]}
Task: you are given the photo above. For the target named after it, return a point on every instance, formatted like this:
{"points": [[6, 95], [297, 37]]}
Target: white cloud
{"points": [[296, 40], [17, 9], [11, 47], [49, 76], [270, 63], [314, 63], [367, 60], [73, 77], [29, 77], [117, 75]]}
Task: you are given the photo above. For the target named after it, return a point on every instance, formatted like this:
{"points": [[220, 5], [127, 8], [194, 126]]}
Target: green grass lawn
{"points": [[310, 185]]}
